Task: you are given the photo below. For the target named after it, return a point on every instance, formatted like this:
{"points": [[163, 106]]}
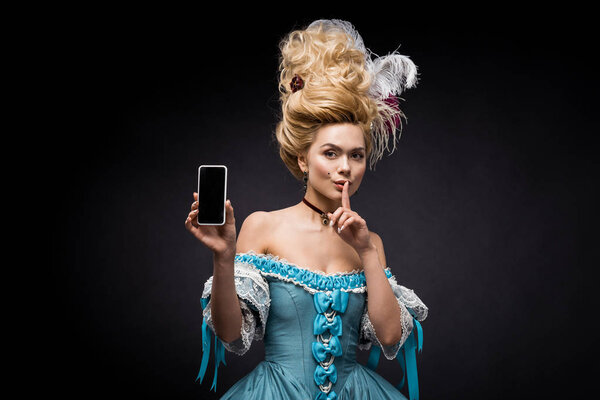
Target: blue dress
{"points": [[312, 324]]}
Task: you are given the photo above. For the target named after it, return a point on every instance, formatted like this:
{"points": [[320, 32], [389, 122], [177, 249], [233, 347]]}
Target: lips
{"points": [[340, 184]]}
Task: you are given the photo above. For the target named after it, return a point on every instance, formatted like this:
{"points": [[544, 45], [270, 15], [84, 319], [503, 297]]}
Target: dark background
{"points": [[485, 207]]}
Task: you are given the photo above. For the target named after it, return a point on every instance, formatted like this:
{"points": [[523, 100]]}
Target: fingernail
{"points": [[339, 230], [331, 223]]}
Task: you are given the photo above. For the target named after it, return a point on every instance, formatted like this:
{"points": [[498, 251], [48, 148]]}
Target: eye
{"points": [[360, 155]]}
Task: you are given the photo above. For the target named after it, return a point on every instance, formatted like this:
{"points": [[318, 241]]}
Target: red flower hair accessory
{"points": [[296, 84]]}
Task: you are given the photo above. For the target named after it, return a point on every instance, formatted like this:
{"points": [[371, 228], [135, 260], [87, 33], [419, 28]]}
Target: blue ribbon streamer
{"points": [[414, 343], [219, 358], [219, 350], [411, 367], [402, 361], [419, 334], [374, 357], [205, 350], [407, 359]]}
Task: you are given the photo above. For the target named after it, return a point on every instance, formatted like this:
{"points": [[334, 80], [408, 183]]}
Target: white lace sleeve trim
{"points": [[407, 299], [255, 300]]}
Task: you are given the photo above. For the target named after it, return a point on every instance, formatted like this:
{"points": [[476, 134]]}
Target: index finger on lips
{"points": [[345, 196]]}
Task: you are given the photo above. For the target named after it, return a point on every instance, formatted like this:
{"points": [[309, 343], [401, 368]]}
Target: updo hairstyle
{"points": [[331, 62]]}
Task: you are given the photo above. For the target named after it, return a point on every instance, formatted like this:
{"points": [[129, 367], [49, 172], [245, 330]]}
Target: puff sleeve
{"points": [[411, 307], [254, 298]]}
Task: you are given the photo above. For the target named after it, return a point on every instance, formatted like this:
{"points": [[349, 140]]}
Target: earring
{"points": [[305, 178]]}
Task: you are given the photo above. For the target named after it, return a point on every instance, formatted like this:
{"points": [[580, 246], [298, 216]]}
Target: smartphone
{"points": [[212, 194]]}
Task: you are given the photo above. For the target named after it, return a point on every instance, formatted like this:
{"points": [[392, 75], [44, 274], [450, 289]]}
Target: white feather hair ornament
{"points": [[390, 76]]}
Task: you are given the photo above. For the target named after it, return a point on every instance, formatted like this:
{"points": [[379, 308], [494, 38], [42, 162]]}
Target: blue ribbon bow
{"points": [[321, 374], [321, 325], [326, 396], [320, 350], [338, 300]]}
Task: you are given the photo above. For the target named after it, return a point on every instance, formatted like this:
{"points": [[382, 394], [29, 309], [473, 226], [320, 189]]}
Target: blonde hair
{"points": [[336, 71]]}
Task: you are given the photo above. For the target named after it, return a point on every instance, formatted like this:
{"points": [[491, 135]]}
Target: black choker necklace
{"points": [[324, 216]]}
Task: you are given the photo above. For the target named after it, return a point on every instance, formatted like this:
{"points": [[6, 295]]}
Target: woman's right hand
{"points": [[221, 239]]}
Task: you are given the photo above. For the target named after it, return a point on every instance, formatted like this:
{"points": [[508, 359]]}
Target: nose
{"points": [[344, 166]]}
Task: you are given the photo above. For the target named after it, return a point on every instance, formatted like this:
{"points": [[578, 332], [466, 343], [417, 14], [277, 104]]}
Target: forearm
{"points": [[225, 307], [383, 308]]}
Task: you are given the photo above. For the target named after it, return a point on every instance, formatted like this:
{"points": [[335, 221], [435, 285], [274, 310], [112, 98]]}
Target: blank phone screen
{"points": [[211, 194]]}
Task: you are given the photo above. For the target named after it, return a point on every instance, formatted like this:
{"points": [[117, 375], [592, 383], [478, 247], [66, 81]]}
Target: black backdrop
{"points": [[484, 208]]}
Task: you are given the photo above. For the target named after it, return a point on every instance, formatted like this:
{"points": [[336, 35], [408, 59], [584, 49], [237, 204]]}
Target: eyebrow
{"points": [[339, 148]]}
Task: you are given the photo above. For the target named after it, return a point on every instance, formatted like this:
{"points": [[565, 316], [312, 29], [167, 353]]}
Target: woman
{"points": [[298, 277]]}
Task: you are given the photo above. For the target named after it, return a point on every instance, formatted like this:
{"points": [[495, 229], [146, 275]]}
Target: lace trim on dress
{"points": [[410, 307], [254, 298], [412, 302], [369, 336]]}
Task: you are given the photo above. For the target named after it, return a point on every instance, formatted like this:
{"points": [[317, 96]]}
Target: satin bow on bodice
{"points": [[320, 350], [321, 325], [326, 396], [321, 374], [338, 300]]}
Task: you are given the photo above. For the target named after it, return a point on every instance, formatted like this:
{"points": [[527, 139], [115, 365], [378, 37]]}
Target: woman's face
{"points": [[338, 153]]}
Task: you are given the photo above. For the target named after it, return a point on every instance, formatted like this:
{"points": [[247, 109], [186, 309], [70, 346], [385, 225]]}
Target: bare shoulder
{"points": [[257, 230], [376, 239], [276, 217], [253, 233]]}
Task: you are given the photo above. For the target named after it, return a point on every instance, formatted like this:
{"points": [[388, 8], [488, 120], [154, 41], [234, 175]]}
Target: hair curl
{"points": [[336, 90]]}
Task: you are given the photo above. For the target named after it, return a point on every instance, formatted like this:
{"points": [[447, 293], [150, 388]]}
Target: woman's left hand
{"points": [[350, 226]]}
